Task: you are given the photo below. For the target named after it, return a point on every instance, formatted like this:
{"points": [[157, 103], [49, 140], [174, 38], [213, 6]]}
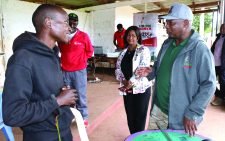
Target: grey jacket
{"points": [[193, 81]]}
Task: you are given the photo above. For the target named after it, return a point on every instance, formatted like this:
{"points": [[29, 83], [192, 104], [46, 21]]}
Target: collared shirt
{"points": [[72, 34], [164, 75], [218, 51], [75, 54]]}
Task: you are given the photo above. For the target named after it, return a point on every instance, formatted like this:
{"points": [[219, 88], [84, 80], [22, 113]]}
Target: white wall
{"points": [[17, 18], [103, 25], [124, 15], [103, 29]]}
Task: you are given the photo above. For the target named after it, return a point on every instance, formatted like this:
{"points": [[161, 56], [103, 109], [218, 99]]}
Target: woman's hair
{"points": [[137, 32]]}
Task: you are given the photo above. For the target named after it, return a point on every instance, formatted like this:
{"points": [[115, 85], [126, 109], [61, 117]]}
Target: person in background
{"points": [[184, 75], [74, 57], [118, 38], [136, 97], [33, 98], [218, 50]]}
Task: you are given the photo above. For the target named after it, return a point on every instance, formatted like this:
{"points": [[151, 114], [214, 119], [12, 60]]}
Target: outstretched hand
{"points": [[189, 126]]}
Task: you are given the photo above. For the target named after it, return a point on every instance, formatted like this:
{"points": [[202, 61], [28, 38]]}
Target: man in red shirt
{"points": [[118, 38], [74, 56]]}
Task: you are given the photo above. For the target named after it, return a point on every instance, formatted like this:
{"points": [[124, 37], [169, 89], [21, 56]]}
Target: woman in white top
{"points": [[135, 89]]}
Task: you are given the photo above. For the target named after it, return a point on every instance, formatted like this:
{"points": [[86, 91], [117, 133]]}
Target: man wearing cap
{"points": [[185, 75], [74, 56]]}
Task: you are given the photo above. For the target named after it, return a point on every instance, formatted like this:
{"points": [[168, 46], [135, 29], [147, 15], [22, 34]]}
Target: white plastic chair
{"points": [[80, 125]]}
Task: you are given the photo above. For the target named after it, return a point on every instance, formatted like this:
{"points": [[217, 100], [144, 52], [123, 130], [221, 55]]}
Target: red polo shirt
{"points": [[118, 36], [75, 54]]}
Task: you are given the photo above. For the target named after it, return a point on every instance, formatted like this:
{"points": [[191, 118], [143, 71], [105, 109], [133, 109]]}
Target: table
{"points": [[99, 60], [157, 135], [112, 61]]}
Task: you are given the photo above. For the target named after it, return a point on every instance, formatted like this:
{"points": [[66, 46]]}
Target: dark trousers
{"points": [[46, 136], [136, 106], [67, 137], [219, 93]]}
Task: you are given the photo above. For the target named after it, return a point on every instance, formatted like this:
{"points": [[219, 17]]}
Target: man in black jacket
{"points": [[218, 50], [33, 95]]}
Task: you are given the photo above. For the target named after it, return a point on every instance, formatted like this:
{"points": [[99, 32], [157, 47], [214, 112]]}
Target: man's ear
{"points": [[48, 22]]}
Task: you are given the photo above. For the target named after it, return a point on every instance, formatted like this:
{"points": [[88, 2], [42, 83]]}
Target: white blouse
{"points": [[142, 58]]}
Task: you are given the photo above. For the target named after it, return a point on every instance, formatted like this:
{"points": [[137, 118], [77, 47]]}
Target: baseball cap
{"points": [[179, 11], [73, 16]]}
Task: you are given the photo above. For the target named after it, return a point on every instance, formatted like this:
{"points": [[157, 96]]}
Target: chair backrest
{"points": [[80, 125]]}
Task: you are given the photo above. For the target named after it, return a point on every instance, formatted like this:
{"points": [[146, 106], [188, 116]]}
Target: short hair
{"points": [[137, 32], [119, 26], [42, 12]]}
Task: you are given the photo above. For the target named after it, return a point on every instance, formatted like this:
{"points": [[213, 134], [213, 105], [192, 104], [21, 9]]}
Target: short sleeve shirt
{"points": [[118, 36]]}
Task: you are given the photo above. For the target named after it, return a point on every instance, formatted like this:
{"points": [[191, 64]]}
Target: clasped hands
{"points": [[127, 85], [140, 72]]}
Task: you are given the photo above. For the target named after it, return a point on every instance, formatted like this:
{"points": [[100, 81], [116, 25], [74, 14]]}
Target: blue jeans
{"points": [[78, 80]]}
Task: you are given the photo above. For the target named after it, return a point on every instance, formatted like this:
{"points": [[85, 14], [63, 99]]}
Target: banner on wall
{"points": [[147, 23]]}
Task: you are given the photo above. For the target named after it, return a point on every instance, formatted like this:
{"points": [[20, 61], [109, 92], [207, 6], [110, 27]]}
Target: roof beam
{"points": [[164, 10], [105, 1], [208, 4], [117, 4], [35, 1], [159, 4], [205, 11]]}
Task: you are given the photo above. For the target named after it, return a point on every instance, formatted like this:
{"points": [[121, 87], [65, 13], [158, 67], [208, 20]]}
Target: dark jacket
{"points": [[222, 80], [33, 79]]}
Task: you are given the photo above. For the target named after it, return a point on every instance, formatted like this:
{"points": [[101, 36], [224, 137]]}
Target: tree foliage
{"points": [[207, 22]]}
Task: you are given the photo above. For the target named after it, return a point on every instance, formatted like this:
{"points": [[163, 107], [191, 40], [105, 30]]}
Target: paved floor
{"points": [[108, 119]]}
